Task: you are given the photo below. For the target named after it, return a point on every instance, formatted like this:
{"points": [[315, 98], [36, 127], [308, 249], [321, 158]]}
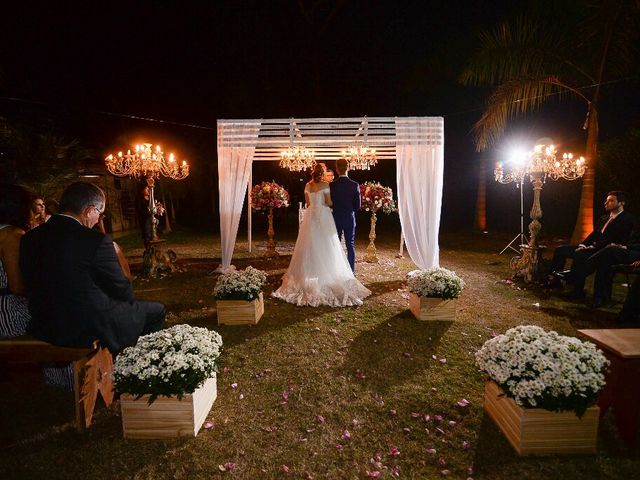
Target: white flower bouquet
{"points": [[435, 282], [544, 369], [240, 284], [171, 362]]}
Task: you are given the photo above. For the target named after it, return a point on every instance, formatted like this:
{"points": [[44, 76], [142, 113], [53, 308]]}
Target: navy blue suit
{"points": [[345, 195]]}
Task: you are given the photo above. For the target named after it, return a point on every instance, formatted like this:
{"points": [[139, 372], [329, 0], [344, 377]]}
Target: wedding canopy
{"points": [[417, 143]]}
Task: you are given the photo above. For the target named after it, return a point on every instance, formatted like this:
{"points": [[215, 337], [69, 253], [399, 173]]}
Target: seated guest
{"points": [[630, 312], [15, 210], [613, 227], [39, 214], [602, 263], [77, 292]]}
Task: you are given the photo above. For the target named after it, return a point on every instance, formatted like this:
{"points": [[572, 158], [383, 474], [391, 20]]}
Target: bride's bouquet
{"points": [[268, 195], [377, 197]]}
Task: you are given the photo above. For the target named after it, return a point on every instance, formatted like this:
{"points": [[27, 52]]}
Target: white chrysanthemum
{"points": [[435, 282], [535, 367]]}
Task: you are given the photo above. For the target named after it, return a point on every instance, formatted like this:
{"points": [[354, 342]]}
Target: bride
{"points": [[319, 273]]}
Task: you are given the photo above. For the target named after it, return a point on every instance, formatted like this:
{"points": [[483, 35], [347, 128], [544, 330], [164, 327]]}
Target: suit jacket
{"points": [[75, 287], [617, 231], [345, 195]]}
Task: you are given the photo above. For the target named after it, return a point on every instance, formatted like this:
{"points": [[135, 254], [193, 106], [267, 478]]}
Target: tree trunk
{"points": [[584, 223], [481, 200]]}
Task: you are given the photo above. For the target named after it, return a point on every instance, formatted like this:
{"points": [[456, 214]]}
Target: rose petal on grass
{"points": [[338, 446], [452, 423], [442, 462], [406, 354], [360, 374], [470, 470], [377, 457], [373, 474], [209, 425], [355, 422], [444, 472], [426, 417], [241, 397], [346, 435], [234, 385], [466, 445], [463, 403], [394, 452], [443, 360], [393, 413], [285, 468], [440, 431], [226, 369], [416, 415], [437, 418], [431, 451], [333, 330], [434, 357], [320, 418]]}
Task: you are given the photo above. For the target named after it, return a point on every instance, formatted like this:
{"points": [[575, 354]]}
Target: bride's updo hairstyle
{"points": [[317, 173]]}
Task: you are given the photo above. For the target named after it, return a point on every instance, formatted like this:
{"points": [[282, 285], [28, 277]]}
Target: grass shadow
{"points": [[394, 351]]}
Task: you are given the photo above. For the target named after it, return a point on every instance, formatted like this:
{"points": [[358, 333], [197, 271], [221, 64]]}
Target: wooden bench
{"points": [[92, 368]]}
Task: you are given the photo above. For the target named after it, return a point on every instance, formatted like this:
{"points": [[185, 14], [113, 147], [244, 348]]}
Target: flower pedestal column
{"points": [[271, 244], [371, 255], [240, 312], [167, 417], [430, 308], [535, 431]]}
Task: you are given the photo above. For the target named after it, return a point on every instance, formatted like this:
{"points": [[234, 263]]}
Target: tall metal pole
{"points": [[249, 209]]}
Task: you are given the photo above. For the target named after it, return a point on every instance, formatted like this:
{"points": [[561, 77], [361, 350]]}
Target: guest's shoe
{"points": [[575, 296], [600, 302]]}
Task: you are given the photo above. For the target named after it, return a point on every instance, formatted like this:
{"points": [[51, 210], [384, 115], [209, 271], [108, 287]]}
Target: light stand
{"points": [[520, 237]]}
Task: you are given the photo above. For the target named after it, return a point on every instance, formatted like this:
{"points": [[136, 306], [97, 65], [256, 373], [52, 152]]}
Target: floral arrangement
{"points": [[174, 361], [269, 195], [435, 282], [377, 197], [240, 284], [544, 369]]}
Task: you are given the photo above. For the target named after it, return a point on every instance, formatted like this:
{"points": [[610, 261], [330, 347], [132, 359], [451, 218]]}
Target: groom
{"points": [[345, 195]]}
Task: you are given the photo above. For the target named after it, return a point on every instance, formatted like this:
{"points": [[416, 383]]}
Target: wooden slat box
{"points": [[167, 417], [535, 431], [240, 312], [429, 308]]}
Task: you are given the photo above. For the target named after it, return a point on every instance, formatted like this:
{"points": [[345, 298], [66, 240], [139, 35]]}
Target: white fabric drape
{"points": [[234, 166], [420, 155]]}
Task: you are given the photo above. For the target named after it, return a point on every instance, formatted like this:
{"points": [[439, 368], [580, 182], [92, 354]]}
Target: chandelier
{"points": [[145, 162], [541, 161], [360, 157], [297, 159]]}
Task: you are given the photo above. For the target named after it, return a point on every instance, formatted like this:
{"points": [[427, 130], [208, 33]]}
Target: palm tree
{"points": [[552, 51]]}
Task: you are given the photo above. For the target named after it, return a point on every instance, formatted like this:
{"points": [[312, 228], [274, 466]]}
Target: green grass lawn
{"points": [[372, 371]]}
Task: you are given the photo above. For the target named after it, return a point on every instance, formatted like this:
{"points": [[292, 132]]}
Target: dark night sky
{"points": [[194, 62]]}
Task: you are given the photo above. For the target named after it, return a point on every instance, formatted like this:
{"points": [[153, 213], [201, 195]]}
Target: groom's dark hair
{"points": [[342, 166]]}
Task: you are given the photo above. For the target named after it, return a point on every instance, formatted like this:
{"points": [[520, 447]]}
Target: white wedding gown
{"points": [[319, 273]]}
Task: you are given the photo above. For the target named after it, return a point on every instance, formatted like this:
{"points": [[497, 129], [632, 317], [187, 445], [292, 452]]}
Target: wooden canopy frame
{"points": [[327, 137]]}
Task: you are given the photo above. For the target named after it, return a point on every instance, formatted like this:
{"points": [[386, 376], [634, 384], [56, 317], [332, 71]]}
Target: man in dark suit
{"points": [[76, 288], [613, 227], [345, 195], [602, 263]]}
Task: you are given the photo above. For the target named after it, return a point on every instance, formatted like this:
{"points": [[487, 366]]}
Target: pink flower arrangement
{"points": [[376, 197], [269, 195]]}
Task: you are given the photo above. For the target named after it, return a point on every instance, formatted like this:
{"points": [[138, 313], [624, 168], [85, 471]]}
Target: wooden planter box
{"points": [[428, 308], [240, 312], [167, 417], [534, 431]]}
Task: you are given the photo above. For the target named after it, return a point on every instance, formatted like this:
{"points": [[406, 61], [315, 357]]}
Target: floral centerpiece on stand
{"points": [[432, 293], [375, 198], [265, 197], [532, 370], [239, 297], [179, 363]]}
